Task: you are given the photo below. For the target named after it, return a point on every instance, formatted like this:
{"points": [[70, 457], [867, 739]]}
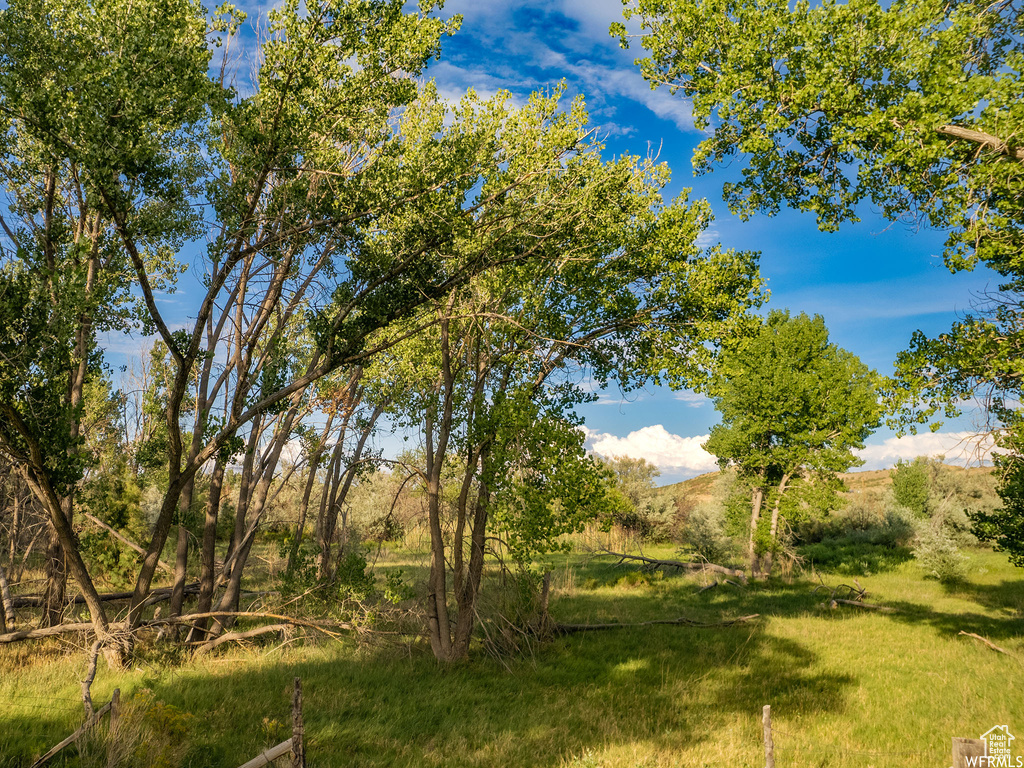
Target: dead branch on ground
{"points": [[854, 596], [987, 642], [679, 564]]}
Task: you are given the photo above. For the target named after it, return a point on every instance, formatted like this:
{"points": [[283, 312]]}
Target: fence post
{"points": [[769, 745], [966, 748], [115, 709], [298, 730]]}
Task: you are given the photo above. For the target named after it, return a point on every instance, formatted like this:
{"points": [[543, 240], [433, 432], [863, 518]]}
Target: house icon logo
{"points": [[997, 748]]}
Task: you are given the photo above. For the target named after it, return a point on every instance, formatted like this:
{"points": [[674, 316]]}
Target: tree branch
{"points": [[985, 139]]}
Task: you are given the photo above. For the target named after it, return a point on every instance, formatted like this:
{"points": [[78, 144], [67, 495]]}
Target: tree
{"points": [[340, 194], [920, 97], [793, 406], [910, 485], [641, 509], [621, 291], [914, 106]]}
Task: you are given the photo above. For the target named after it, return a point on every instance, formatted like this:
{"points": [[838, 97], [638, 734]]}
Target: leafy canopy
{"points": [[914, 106], [791, 401]]}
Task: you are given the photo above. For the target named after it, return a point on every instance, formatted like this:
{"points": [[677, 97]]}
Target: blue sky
{"points": [[874, 282]]}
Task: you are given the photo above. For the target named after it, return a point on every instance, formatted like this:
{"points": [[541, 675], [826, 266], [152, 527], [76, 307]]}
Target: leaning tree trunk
{"points": [[774, 531], [115, 649], [207, 562], [467, 598], [257, 504], [437, 432], [756, 499]]}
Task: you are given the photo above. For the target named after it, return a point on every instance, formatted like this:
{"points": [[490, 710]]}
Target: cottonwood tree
{"points": [[340, 194], [914, 106], [89, 99], [640, 509], [622, 292], [794, 406]]}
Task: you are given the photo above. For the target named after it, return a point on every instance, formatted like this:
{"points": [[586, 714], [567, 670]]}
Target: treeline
{"points": [[354, 249]]}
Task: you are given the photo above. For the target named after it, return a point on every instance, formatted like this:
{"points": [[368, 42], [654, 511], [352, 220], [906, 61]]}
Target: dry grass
{"points": [[847, 687]]}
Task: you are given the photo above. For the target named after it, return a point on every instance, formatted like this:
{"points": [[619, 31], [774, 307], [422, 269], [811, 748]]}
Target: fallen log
{"points": [[162, 593], [60, 629], [329, 628], [209, 645], [567, 629], [680, 565]]}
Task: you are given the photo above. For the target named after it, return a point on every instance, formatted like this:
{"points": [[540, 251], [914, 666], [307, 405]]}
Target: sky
{"points": [[874, 282]]}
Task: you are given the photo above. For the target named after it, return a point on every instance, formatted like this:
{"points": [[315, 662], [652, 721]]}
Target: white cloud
{"points": [[589, 58], [709, 237], [691, 399], [683, 456], [658, 446], [961, 448]]}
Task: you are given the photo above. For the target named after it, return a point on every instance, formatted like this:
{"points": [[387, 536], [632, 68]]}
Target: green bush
{"points": [[867, 536], [937, 552], [911, 484], [705, 532]]}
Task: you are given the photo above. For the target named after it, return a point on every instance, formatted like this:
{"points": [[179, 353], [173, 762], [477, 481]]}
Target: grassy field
{"points": [[847, 687]]}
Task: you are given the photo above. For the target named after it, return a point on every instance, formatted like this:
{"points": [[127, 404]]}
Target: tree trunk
{"points": [[350, 475], [7, 617], [471, 588], [180, 574], [327, 519], [757, 497], [257, 505], [207, 564], [55, 591], [244, 481], [300, 524], [775, 524]]}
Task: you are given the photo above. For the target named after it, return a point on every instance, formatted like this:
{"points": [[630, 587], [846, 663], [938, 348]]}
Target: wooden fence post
{"points": [[968, 748], [298, 730], [769, 745]]}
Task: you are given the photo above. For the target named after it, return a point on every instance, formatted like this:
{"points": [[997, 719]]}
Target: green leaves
{"points": [[791, 402], [833, 104]]}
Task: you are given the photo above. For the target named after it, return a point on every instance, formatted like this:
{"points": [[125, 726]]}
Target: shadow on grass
{"points": [[665, 687], [1007, 596], [850, 557]]}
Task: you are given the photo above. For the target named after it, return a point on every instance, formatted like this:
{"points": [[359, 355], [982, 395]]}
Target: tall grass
{"points": [[847, 687]]}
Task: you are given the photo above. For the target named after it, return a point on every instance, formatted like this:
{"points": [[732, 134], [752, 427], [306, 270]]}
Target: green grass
{"points": [[847, 687]]}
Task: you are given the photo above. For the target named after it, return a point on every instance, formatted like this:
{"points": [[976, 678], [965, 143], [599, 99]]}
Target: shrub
{"points": [[937, 552], [705, 532], [868, 536]]}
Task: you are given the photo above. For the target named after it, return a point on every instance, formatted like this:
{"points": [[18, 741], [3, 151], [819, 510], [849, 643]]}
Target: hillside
{"points": [[689, 493]]}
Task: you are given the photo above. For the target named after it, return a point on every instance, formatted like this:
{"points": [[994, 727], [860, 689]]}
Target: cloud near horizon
{"points": [[961, 448], [658, 446], [677, 455]]}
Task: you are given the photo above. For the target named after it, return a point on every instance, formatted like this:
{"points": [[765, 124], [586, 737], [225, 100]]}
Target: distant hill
{"points": [[690, 493]]}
